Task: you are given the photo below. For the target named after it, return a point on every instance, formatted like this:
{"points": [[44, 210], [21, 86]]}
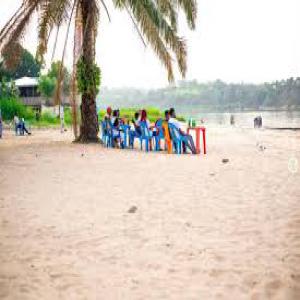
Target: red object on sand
{"points": [[198, 130]]}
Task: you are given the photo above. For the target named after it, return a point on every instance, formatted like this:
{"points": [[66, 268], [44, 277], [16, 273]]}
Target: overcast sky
{"points": [[235, 40]]}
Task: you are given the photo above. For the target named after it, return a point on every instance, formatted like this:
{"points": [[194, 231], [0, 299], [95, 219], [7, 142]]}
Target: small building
{"points": [[30, 95], [28, 92], [28, 87]]}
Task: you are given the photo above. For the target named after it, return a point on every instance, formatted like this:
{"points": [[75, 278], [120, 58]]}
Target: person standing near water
{"points": [[232, 121]]}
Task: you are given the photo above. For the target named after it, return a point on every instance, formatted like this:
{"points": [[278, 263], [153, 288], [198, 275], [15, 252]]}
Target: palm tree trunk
{"points": [[89, 121], [76, 56]]}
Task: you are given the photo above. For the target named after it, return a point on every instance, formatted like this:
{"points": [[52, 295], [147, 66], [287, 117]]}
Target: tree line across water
{"points": [[211, 96]]}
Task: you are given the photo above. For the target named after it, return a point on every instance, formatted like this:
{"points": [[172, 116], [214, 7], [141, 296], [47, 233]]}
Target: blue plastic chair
{"points": [[105, 133], [111, 133], [125, 129], [160, 135], [146, 135], [133, 135], [177, 138]]}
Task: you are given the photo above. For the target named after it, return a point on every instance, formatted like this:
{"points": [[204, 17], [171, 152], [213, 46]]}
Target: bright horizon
{"points": [[235, 41]]}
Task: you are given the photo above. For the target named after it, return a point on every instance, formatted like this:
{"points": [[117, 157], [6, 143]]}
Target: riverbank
{"points": [[86, 222]]}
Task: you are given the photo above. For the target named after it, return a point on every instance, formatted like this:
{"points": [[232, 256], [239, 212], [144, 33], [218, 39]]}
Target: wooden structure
{"points": [[30, 96]]}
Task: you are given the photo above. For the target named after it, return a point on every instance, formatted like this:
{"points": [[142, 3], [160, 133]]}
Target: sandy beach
{"points": [[202, 229]]}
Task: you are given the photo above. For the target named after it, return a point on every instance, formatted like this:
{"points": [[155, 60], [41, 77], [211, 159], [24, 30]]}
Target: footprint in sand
{"points": [[216, 273], [251, 280], [273, 287], [296, 277]]}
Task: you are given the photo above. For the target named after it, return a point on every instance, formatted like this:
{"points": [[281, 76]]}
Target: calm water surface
{"points": [[273, 119]]}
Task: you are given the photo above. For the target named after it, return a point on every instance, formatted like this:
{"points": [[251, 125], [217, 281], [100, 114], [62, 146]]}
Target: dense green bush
{"points": [[47, 86], [11, 107]]}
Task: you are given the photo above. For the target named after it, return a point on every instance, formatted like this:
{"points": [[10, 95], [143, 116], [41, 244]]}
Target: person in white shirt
{"points": [[135, 130], [190, 142]]}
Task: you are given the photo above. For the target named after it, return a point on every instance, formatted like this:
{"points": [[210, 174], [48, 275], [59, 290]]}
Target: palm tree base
{"points": [[86, 140]]}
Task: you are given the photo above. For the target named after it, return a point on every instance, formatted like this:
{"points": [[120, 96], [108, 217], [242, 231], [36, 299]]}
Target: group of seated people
{"points": [[135, 129]]}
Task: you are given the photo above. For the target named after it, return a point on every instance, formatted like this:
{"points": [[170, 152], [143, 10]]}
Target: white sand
{"points": [[202, 229]]}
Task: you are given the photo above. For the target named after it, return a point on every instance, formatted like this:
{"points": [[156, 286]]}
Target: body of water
{"points": [[272, 119]]}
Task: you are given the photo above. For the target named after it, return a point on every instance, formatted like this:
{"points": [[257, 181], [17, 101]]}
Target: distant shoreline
{"points": [[283, 128], [204, 110]]}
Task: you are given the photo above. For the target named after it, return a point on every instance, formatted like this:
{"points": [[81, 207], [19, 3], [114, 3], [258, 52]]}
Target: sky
{"points": [[235, 41]]}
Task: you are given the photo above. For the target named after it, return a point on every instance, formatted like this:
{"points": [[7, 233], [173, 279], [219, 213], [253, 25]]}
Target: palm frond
{"points": [[168, 33], [44, 27], [11, 21], [51, 13], [158, 31], [136, 26], [60, 74], [55, 42], [14, 31], [190, 9], [151, 31], [168, 9], [106, 9]]}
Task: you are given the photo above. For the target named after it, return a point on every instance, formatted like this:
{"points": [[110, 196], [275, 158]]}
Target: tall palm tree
{"points": [[155, 20]]}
